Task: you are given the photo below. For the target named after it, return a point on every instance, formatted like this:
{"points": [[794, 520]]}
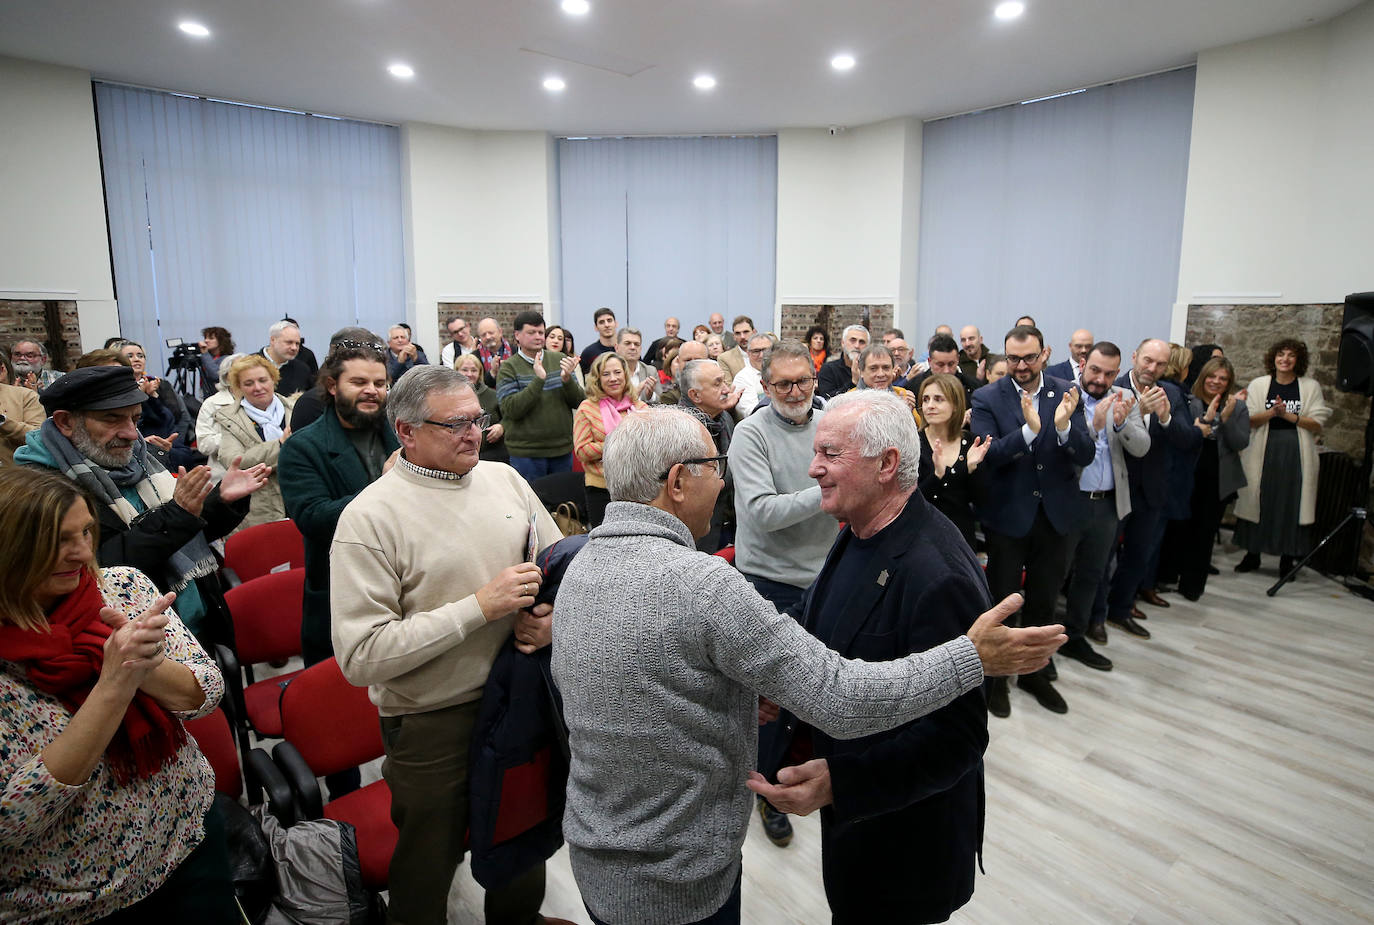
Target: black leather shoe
{"points": [[1129, 624], [1152, 597], [1249, 563], [1050, 672], [999, 704], [1040, 687], [1137, 613], [776, 825], [1082, 651], [1098, 633], [1213, 570], [1286, 564]]}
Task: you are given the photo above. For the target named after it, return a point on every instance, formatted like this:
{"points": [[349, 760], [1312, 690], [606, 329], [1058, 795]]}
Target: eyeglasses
{"points": [[757, 351], [1027, 360], [801, 385], [719, 462], [26, 355], [462, 424]]}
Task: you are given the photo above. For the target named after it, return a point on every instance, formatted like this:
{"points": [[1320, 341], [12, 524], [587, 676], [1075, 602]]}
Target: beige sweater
{"points": [[409, 555]]}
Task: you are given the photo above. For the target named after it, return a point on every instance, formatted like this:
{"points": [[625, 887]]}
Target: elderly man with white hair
{"points": [[660, 690], [283, 347], [842, 373]]}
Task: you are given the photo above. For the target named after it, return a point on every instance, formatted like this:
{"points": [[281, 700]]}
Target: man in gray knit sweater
{"points": [[661, 691]]}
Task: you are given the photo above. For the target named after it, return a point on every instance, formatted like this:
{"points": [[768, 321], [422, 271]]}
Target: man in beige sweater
{"points": [[429, 577]]}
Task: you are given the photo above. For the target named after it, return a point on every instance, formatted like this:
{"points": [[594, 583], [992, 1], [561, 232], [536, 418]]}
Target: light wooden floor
{"points": [[1220, 773]]}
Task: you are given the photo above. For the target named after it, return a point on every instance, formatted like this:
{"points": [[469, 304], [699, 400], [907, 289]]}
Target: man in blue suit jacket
{"points": [[1080, 345], [901, 811], [1040, 441], [1164, 409]]}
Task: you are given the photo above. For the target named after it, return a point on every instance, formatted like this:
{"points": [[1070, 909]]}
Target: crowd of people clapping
{"points": [[1102, 479]]}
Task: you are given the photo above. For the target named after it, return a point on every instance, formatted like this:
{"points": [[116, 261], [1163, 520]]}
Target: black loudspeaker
{"points": [[1355, 363]]}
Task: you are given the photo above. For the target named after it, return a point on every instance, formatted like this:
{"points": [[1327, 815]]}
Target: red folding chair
{"points": [[216, 741], [330, 726], [261, 550], [267, 628]]}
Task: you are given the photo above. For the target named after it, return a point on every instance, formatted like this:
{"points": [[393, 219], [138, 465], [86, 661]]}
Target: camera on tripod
{"points": [[184, 355]]}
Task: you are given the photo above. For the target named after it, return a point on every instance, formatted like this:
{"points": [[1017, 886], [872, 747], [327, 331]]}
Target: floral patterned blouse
{"points": [[74, 854]]}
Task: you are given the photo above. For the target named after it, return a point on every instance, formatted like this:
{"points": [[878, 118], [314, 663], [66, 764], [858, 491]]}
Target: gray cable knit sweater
{"points": [[659, 692]]}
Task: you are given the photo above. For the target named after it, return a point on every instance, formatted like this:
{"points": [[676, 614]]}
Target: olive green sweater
{"points": [[537, 413]]}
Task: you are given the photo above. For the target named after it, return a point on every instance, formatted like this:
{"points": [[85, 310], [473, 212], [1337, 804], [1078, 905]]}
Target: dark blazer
{"points": [[319, 473], [970, 385], [295, 375], [1152, 481], [900, 840], [835, 377], [1062, 371], [1019, 478]]}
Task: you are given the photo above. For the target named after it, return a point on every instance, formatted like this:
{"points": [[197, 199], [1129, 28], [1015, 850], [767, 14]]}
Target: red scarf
{"points": [[65, 661]]}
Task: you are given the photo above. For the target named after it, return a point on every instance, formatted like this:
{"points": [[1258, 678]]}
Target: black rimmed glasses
{"points": [[1027, 360], [801, 385], [461, 425], [719, 462]]}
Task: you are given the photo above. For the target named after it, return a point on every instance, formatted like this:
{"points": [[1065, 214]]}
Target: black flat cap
{"points": [[95, 388]]}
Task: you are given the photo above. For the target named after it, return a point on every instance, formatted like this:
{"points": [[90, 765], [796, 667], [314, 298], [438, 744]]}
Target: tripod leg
{"points": [[1353, 515]]}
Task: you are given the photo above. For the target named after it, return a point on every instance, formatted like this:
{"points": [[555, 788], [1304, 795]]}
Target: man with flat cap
{"points": [[148, 520]]}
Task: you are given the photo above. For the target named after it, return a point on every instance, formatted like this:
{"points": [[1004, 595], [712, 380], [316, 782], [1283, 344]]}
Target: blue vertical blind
{"points": [[1069, 210], [660, 227], [232, 215]]}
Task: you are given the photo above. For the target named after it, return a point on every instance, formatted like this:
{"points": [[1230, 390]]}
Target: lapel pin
{"points": [[882, 578], [1050, 394]]}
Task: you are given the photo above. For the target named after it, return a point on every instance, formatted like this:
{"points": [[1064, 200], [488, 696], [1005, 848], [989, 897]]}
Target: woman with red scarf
{"points": [[104, 799], [608, 398]]}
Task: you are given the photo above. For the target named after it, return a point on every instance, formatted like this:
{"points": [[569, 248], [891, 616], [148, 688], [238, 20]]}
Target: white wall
{"points": [[848, 206], [478, 220], [53, 239], [1281, 173]]}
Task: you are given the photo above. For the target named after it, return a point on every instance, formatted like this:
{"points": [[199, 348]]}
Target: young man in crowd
{"points": [[538, 393], [604, 319]]}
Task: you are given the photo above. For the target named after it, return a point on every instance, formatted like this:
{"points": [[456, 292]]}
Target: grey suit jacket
{"points": [[1132, 438]]}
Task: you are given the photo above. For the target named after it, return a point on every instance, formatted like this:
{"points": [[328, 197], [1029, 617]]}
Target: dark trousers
{"points": [[1133, 559], [534, 467], [1090, 547], [787, 598], [426, 767], [1044, 555], [597, 499], [199, 890], [727, 914], [1195, 548]]}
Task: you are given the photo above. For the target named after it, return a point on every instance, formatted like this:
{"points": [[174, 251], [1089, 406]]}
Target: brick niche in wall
{"points": [[473, 312], [835, 318], [1245, 332], [53, 323]]}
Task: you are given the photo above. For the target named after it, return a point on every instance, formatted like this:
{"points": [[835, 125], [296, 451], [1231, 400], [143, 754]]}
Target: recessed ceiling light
{"points": [[842, 62], [1009, 10], [554, 84], [403, 71], [703, 82], [194, 28], [576, 7]]}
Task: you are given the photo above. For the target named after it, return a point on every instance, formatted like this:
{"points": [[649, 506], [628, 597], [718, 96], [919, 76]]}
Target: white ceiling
{"points": [[771, 57]]}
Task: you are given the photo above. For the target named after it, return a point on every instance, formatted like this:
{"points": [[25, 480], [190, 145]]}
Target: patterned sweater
{"points": [[74, 854], [660, 696]]}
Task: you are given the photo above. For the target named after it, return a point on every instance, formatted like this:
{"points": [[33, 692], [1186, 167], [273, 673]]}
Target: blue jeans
{"points": [[727, 914], [533, 467]]}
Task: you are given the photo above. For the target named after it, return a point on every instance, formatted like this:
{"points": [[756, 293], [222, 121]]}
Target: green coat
{"points": [[320, 472]]}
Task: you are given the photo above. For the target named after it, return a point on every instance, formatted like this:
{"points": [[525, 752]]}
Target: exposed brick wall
{"points": [[52, 323], [473, 312], [797, 318], [1247, 331]]}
